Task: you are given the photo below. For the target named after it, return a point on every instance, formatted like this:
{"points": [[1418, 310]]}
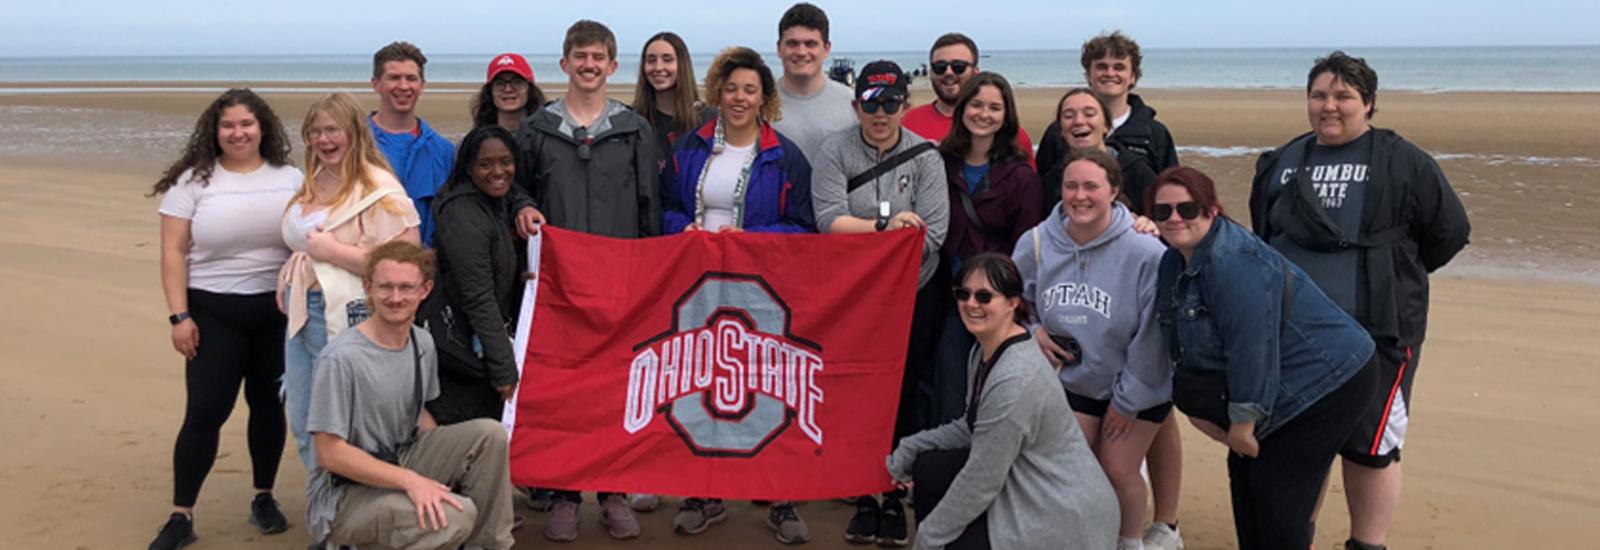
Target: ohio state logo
{"points": [[728, 376]]}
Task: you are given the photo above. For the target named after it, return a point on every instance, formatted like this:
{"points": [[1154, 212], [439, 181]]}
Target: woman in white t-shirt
{"points": [[737, 173], [220, 255]]}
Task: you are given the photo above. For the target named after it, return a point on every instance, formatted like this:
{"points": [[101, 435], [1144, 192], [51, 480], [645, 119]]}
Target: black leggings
{"points": [[933, 473], [241, 340], [1274, 493]]}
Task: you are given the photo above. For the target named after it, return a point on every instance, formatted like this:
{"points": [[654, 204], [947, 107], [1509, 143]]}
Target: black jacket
{"points": [[477, 292], [614, 192], [1412, 223], [1142, 134]]}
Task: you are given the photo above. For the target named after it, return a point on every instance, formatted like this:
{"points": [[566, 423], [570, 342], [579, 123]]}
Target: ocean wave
{"points": [[1221, 152]]}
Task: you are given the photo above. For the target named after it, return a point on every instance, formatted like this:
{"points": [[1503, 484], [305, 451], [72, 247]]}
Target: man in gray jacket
{"points": [[907, 190], [592, 163]]}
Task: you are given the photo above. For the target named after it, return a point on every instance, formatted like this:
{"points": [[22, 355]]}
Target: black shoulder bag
{"points": [[888, 164]]}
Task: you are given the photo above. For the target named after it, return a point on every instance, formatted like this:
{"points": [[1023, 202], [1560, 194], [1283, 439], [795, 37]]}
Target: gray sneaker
{"points": [[618, 518], [786, 524], [695, 515], [1160, 536], [563, 526]]}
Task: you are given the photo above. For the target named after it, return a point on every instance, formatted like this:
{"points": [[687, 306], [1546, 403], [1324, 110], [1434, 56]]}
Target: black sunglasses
{"points": [[957, 66], [1186, 210], [890, 107], [962, 294]]}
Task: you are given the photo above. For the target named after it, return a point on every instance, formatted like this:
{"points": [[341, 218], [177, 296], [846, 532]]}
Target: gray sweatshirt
{"points": [[1029, 466], [918, 185], [1103, 294]]}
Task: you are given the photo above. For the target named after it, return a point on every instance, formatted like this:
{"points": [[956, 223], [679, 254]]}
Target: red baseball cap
{"points": [[510, 62]]}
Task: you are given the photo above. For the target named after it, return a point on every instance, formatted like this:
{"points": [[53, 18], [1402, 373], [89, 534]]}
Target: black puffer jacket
{"points": [[1142, 134], [476, 293]]}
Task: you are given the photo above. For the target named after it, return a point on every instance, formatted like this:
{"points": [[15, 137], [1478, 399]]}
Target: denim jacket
{"points": [[1224, 311]]}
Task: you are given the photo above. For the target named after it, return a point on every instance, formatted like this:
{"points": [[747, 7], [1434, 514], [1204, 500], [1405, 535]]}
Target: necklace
{"points": [[719, 143]]}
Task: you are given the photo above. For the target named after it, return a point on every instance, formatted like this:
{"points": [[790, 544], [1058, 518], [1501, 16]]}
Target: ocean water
{"points": [[1564, 68]]}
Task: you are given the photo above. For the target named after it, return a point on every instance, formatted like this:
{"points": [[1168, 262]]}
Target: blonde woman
{"points": [[350, 203]]}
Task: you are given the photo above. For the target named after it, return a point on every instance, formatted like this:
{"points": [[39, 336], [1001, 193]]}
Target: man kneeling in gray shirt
{"points": [[387, 475]]}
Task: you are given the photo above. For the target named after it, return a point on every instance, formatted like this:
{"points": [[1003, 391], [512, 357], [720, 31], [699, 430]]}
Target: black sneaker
{"points": [[863, 527], [177, 533], [264, 514], [892, 524]]}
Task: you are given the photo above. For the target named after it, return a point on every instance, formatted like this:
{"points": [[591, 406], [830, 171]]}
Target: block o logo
{"points": [[728, 376]]}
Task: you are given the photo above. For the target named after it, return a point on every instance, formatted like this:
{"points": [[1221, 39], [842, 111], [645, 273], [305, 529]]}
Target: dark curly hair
{"points": [[484, 111], [203, 148]]}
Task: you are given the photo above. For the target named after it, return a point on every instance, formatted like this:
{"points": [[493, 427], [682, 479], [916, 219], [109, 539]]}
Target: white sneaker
{"points": [[644, 502], [1161, 537]]}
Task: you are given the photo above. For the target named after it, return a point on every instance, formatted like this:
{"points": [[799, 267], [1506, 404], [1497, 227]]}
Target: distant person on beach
{"points": [[593, 166], [667, 94], [1368, 215], [388, 475], [474, 308], [1085, 123], [1267, 364], [417, 155], [349, 204], [220, 254], [875, 176], [735, 174], [814, 107], [509, 94], [994, 200], [1091, 276], [1012, 471], [1112, 66], [953, 60]]}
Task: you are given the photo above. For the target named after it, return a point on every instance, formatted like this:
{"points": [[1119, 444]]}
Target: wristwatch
{"points": [[883, 223], [178, 317]]}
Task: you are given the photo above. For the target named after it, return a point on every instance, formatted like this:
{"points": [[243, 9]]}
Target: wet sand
{"points": [[1501, 450]]}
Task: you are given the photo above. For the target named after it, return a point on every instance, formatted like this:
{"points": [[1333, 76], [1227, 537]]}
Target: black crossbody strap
{"points": [[972, 213], [416, 362], [887, 165]]}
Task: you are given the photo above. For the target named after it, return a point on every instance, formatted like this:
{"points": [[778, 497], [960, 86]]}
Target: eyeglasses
{"points": [[509, 84], [391, 289], [1186, 210], [330, 131], [957, 66], [889, 107], [962, 294]]}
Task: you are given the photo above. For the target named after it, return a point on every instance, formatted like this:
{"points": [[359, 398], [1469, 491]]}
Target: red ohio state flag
{"points": [[725, 365]]}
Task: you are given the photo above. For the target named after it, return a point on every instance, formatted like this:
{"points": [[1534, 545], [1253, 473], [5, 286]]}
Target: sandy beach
{"points": [[1502, 449]]}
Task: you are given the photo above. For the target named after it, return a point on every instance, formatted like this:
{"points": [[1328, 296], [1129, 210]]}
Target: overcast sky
{"points": [[221, 27]]}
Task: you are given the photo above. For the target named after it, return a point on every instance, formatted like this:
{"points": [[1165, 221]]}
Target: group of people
{"points": [[1097, 284]]}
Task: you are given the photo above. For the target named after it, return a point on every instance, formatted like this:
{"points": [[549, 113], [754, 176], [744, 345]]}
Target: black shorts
{"points": [[1381, 432], [1097, 408]]}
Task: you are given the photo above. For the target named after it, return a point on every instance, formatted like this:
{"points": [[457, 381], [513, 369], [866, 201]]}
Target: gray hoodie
{"points": [[1103, 294]]}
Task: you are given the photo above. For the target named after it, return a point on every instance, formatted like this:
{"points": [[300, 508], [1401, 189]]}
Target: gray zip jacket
{"points": [[1103, 294], [918, 185], [1029, 466]]}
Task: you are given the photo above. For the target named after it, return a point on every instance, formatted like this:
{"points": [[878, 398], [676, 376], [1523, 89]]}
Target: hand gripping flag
{"points": [[730, 365]]}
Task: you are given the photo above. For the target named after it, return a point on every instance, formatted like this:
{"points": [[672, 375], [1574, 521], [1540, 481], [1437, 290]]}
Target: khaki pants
{"points": [[471, 458]]}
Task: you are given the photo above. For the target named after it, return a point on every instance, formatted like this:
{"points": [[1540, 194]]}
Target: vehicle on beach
{"points": [[843, 71]]}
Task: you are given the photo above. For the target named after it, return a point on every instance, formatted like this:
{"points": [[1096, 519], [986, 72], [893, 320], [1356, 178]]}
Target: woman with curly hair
{"points": [[220, 254]]}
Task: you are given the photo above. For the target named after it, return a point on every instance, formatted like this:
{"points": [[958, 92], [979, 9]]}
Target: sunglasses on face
{"points": [[962, 294], [1186, 210], [957, 66], [889, 107]]}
